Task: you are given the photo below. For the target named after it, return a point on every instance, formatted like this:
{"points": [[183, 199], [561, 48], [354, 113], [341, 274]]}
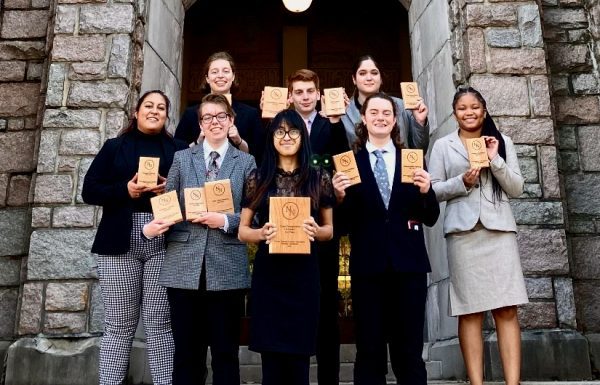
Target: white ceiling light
{"points": [[297, 5]]}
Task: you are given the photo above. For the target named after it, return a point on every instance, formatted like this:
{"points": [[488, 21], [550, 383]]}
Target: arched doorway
{"points": [[268, 43]]}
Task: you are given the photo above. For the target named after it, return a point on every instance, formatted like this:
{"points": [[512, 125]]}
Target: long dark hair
{"points": [[362, 134], [308, 183], [133, 121], [357, 65], [204, 86], [489, 129]]}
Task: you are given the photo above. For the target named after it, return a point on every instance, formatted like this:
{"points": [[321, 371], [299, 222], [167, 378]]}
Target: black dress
{"points": [[285, 287]]}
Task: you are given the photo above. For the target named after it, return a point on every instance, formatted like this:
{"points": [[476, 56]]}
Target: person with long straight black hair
{"points": [[483, 257], [285, 287]]}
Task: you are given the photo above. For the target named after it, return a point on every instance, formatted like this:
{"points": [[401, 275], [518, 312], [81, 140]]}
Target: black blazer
{"points": [[105, 185], [247, 121], [327, 139], [380, 239]]}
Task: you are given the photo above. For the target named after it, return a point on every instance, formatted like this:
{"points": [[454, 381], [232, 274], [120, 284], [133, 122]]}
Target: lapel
{"points": [[368, 178], [199, 167], [397, 185], [456, 145], [228, 163], [128, 152], [316, 132]]}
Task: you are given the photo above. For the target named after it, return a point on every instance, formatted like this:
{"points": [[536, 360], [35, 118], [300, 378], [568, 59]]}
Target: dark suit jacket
{"points": [[247, 120], [380, 239], [327, 139], [105, 185]]}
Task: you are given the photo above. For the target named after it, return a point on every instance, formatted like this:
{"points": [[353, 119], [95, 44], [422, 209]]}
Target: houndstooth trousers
{"points": [[129, 283]]}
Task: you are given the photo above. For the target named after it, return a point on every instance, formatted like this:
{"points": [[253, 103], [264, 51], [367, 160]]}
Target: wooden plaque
{"points": [[195, 202], [274, 100], [410, 94], [477, 152], [166, 206], [346, 163], [218, 195], [334, 101], [288, 213], [148, 171], [412, 159]]}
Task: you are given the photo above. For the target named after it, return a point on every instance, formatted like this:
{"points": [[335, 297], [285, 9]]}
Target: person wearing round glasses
{"points": [[206, 266], [285, 287]]}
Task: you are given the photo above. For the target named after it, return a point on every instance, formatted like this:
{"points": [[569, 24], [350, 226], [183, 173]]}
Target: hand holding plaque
{"points": [[148, 171], [334, 101], [346, 163], [412, 159], [288, 214], [166, 206], [274, 100], [477, 153], [410, 95]]}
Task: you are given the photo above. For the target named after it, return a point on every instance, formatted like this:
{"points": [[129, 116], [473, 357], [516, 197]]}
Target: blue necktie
{"points": [[213, 167], [381, 176]]}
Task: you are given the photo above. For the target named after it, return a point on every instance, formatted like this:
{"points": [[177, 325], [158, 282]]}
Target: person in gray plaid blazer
{"points": [[206, 266]]}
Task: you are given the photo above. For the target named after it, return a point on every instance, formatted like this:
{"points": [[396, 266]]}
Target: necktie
{"points": [[381, 176], [213, 167]]}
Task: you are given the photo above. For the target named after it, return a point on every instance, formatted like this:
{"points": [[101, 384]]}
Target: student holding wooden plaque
{"points": [[206, 266], [129, 262], [480, 230], [327, 138], [413, 124], [285, 287], [388, 259]]}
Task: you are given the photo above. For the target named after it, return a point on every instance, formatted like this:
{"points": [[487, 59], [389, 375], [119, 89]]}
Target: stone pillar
{"points": [[89, 83], [23, 26], [498, 48], [572, 34]]}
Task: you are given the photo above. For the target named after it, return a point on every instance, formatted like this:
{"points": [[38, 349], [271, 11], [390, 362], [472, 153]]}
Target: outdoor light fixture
{"points": [[297, 5]]}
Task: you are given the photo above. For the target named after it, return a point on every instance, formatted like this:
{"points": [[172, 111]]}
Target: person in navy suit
{"points": [[388, 259], [247, 133], [327, 138]]}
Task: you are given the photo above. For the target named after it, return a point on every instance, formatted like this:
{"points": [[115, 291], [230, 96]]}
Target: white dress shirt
{"points": [[389, 157]]}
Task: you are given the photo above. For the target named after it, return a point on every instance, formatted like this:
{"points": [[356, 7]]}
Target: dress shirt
{"points": [[222, 151], [389, 157], [309, 121]]}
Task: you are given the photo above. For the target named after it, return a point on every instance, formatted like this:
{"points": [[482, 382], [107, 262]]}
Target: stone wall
{"points": [[572, 34], [23, 31], [90, 83]]}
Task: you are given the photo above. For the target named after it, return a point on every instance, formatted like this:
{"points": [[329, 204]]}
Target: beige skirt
{"points": [[485, 271]]}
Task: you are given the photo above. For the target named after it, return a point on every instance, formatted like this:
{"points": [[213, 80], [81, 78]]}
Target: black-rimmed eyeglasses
{"points": [[294, 133], [208, 118]]}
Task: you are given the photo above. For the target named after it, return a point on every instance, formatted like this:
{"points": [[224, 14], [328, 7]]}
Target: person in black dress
{"points": [[285, 287]]}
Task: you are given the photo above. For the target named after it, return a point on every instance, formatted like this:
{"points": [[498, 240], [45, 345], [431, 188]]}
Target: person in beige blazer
{"points": [[480, 230]]}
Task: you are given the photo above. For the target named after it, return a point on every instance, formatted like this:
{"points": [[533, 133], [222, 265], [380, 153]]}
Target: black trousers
{"points": [[389, 309], [285, 369], [200, 319], [328, 335]]}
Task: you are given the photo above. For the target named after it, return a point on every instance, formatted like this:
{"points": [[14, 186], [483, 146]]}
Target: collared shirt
{"points": [[222, 151], [389, 157], [208, 149], [309, 121]]}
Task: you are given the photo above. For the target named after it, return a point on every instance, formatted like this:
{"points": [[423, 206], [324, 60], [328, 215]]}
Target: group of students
{"points": [[189, 279]]}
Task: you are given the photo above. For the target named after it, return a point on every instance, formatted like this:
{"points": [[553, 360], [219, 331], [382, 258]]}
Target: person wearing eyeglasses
{"points": [[285, 287], [220, 78], [327, 138], [206, 267]]}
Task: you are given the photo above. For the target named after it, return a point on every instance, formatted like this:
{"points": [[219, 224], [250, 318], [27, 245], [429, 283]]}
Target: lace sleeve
{"points": [[250, 189], [327, 197]]}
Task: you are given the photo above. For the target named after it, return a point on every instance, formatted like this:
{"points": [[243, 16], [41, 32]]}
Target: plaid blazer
{"points": [[190, 245]]}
